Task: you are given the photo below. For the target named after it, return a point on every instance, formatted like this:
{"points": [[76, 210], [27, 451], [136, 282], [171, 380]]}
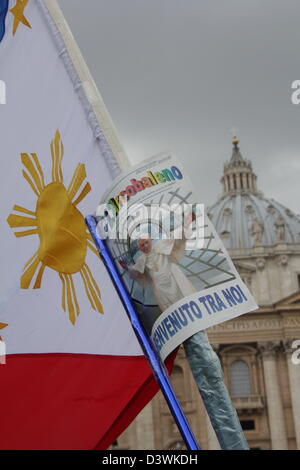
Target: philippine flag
{"points": [[75, 375]]}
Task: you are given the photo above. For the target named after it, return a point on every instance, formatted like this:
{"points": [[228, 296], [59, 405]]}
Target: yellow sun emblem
{"points": [[63, 235]]}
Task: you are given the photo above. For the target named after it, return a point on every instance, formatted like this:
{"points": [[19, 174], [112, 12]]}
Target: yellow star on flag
{"points": [[2, 325], [19, 17]]}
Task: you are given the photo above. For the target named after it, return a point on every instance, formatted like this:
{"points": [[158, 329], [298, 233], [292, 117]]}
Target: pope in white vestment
{"points": [[158, 264]]}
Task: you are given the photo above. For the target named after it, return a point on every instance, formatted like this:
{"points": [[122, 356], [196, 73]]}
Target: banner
{"points": [[173, 263]]}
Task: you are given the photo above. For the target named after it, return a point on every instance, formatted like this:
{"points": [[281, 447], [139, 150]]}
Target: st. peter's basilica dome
{"points": [[243, 216]]}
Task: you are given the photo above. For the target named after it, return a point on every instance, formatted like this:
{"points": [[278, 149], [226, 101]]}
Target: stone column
{"points": [[238, 180], [245, 186], [225, 183], [145, 429], [274, 402], [212, 441], [294, 379], [254, 375]]}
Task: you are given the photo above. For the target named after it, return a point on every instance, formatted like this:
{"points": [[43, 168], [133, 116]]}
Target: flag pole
{"points": [[152, 356]]}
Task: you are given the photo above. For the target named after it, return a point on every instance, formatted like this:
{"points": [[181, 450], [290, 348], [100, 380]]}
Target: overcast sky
{"points": [[179, 74]]}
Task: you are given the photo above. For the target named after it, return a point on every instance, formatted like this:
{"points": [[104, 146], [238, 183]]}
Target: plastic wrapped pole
{"points": [[154, 360], [208, 374]]}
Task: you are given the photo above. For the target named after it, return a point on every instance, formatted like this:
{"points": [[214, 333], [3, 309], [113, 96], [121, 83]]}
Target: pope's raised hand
{"points": [[123, 264]]}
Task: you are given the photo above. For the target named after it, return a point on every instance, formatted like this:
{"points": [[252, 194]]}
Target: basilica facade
{"points": [[257, 350]]}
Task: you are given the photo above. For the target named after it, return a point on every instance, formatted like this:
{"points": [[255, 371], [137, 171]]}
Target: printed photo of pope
{"points": [[158, 265]]}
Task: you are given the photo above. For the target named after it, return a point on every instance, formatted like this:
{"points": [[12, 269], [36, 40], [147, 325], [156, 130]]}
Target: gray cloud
{"points": [[180, 73]]}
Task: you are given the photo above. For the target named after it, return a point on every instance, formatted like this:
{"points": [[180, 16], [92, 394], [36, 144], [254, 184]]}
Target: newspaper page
{"points": [[176, 269]]}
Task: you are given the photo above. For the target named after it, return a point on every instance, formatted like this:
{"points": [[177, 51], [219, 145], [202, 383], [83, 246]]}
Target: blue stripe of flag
{"points": [[3, 13]]}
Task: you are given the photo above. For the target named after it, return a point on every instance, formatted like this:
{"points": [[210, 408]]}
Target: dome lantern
{"points": [[238, 174]]}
